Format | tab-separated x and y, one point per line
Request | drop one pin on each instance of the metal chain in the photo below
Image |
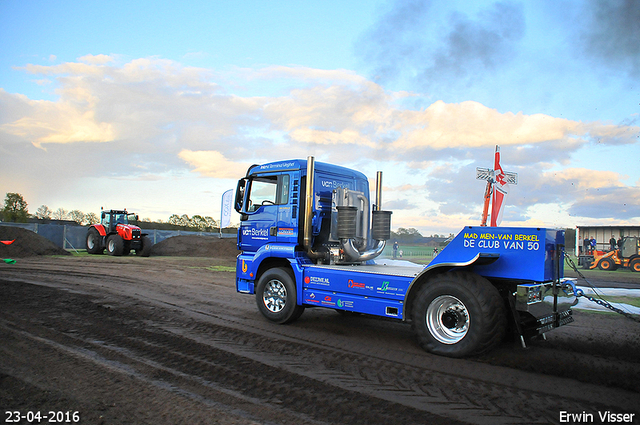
599	301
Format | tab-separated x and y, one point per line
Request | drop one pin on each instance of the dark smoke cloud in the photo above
610	35
416	40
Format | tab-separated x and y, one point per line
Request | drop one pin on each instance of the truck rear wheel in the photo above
458	314
276	296
115	245
94	244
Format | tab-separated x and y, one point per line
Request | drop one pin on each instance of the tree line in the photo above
16	210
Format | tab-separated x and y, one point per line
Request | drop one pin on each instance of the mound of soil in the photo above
197	246
26	244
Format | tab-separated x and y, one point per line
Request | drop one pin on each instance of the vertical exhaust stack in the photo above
308	211
380	232
308	204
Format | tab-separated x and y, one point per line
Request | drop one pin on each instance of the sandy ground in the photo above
167	340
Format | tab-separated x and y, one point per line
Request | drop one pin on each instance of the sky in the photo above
161	107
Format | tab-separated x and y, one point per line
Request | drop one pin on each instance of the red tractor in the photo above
118	236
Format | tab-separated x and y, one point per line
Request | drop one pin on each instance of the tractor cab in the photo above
110	219
630	247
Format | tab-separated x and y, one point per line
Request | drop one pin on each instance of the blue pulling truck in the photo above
310	237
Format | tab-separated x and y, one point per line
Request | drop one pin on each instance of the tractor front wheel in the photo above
634	265
115	245
606	264
145	248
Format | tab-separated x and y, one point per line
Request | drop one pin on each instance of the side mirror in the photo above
238	204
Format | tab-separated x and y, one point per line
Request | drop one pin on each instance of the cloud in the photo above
471	124
213	164
96	59
150	118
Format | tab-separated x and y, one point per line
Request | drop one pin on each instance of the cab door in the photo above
260	215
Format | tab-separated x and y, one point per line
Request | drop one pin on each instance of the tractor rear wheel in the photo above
115	245
458	314
634	265
94	243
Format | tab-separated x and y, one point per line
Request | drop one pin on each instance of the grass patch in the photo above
216	268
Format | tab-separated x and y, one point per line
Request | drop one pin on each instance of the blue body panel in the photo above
524	253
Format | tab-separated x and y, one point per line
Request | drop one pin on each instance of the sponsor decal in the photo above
244	267
328	301
352	284
316	280
255	233
285	231
506	241
345	304
278	166
385	288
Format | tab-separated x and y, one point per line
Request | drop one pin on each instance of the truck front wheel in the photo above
276	296
458	314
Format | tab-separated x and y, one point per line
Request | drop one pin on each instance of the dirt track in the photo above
168	340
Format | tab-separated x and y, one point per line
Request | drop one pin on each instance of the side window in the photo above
268	190
263	192
283	190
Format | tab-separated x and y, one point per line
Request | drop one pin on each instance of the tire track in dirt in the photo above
298	376
121	340
466	390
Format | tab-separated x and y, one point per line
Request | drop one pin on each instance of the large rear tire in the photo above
458	314
94	242
276	296
115	245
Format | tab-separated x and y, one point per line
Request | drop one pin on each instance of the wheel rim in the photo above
605	265
447	319
274	296
90	242
112	246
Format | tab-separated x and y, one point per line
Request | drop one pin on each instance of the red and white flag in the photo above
500	192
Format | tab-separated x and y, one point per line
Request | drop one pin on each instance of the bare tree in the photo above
91	218
43	212
77	216
60	214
